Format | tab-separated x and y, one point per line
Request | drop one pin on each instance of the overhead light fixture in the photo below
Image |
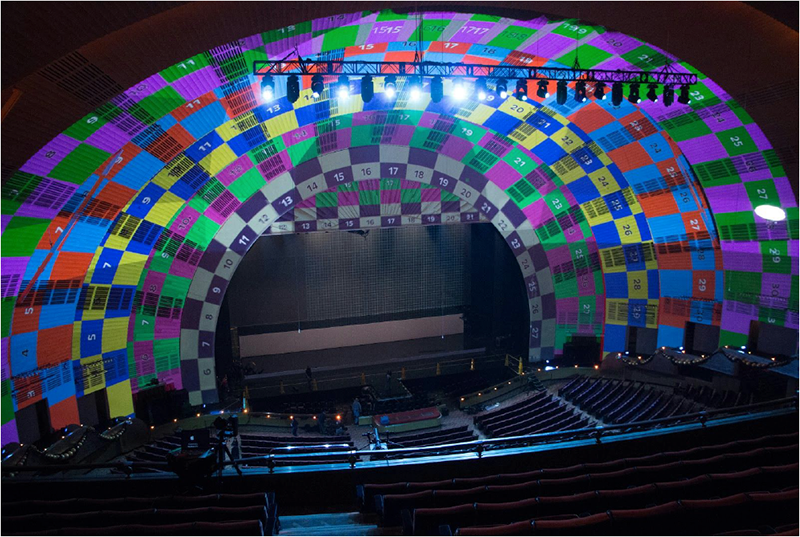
633	93
651	92
343	87
616	93
367	88
316	85
683	97
390	86
267	88
669	95
580	91
437	89
293	88
543	91
561	91
480	89
600	91
522	89
415	88
502	88
771	213
459	90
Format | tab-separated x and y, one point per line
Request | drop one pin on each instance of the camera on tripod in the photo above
227	428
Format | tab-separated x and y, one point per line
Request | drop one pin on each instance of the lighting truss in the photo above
665	75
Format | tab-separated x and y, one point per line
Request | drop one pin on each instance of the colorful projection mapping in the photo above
121	234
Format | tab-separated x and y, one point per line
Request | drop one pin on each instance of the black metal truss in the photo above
666	75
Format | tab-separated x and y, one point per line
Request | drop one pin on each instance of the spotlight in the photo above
561	91
367	88
343	87
502	88
316	85
651	92
600	91
522	90
684	98
669	95
480	89
633	93
771	213
580	91
542	92
390	86
459	90
437	89
616	93
415	85
267	88
293	88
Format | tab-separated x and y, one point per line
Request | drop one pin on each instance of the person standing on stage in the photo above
356	410
294	424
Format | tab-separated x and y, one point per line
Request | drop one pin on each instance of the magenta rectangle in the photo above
146	87
431	195
369	184
409	185
184	221
472	32
234	170
559	255
181	268
167	328
50	155
143	357
348	198
455	148
390	196
196	84
550	46
173	376
536	212
153	282
401	136
307	203
503	175
343	139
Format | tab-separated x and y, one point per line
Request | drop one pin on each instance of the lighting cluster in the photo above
480	90
679	356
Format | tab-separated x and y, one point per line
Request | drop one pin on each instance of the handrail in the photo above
476	446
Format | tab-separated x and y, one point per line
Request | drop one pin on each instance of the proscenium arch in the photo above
365	163
728	152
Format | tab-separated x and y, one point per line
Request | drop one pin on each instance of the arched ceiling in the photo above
144	192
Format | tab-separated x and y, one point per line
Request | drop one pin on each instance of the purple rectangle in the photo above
513	213
243	240
349	223
538	256
503	175
411	208
451	206
390	196
369	210
205	344
365	154
393	30
431	195
50	155
306	170
432	219
532	286
252	206
615	43
728	198
758	137
473	178
348	198
327	213
216	290
9	432
192	309
167	328
146	87
196	84
109	138
470	217
550	46
306	226
703	149
390	221
183	223
14	269
486	207
336	21
190	374
473	32
338	177
394	170
421	157
549	305
369	184
455	148
251	42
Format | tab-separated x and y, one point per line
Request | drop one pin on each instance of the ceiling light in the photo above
669	95
502	88
437	89
267	88
316	85
543	92
293	88
343	87
522	90
771	213
616	93
580	91
683	97
367	88
561	91
600	91
633	93
651	92
390	86
459	90
480	89
415	88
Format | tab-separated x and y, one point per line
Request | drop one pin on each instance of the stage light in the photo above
683	97
669	95
522	90
316	85
502	88
390	86
415	88
543	91
480	89
580	91
367	92
600	91
437	89
771	213
561	91
633	93
459	90
293	88
267	88
343	87
651	92
616	93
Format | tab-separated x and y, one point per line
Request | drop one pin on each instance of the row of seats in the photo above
615	401
252	514
389	506
542	413
442	436
680	517
367	493
416	401
426	521
708	396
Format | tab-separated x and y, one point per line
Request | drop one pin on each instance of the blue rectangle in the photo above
145	200
669	336
637	313
657	147
667	228
141	169
23	352
677	282
634	257
205	120
91	338
167	122
617	205
56	315
501	122
614	337
204	146
544	123
107	265
644	227
606	235
486	51
85	237
549	151
616	285
584	190
653	284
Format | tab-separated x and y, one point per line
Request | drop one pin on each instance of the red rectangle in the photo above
70	266
591	117
630	157
369	48
64	413
55	346
193	106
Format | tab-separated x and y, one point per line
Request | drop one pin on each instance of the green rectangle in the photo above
512	37
570	28
6	310
408	195
523	193
327	199
291	31
369	197
686	127
203	230
740	112
175	286
732	339
6	402
557	202
337	38
21	236
303	151
431	30
79	164
162	102
762	192
179	70
163	351
742	286
144	327
717	173
588	56
520	161
361	135
775	257
737	141
82	129
389	15
645	58
246	185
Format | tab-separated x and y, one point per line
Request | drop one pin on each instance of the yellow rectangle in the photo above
130	269
116	242
281	124
92	374
165	209
566	139
120	400
228	130
516	108
76	339
218	160
604	182
533	140
628	230
164	180
115	334
637	284
595	216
